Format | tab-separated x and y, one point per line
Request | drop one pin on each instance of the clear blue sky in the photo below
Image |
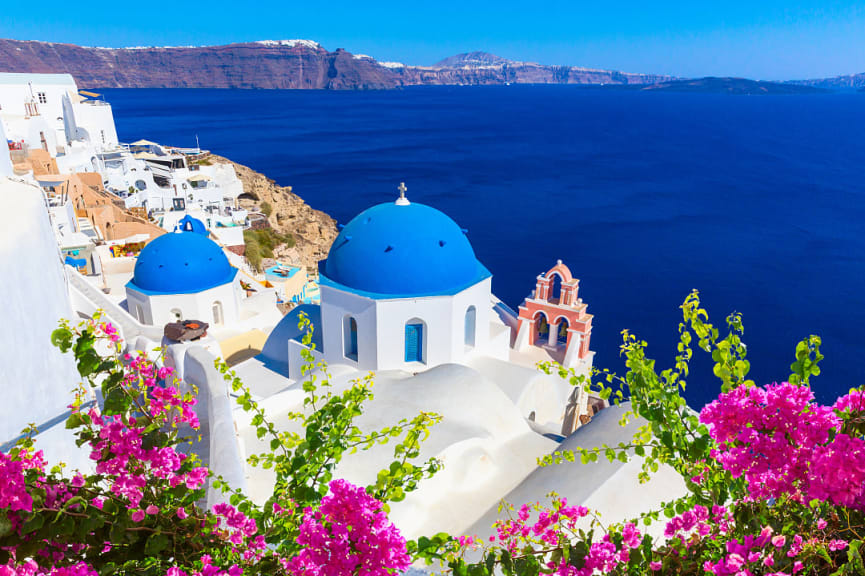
764	39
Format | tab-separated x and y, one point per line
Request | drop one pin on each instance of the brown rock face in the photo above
313	230
279	65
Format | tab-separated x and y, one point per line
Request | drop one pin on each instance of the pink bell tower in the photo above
555	318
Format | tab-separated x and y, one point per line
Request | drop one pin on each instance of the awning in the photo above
76	262
90	94
198	177
148	156
144	143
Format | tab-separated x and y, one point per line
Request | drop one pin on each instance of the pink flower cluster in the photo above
120	455
698	522
604	556
782	442
240	527
30	568
13	486
515	532
854	402
349	535
162	396
208	569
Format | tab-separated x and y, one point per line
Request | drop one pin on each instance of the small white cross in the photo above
402	200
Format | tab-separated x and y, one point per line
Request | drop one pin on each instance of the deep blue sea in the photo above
757	201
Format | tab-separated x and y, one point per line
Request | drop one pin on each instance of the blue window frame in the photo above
414	342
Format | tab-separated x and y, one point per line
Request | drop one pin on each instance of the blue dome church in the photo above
181	276
402	289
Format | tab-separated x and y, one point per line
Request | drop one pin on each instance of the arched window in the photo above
349	333
217	313
139	313
562	336
471	319
542	329
415	341
176	315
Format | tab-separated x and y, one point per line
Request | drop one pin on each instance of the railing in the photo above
129	327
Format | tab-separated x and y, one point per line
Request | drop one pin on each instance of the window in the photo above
562	337
217	313
555	294
140	314
43	99
414	341
102	132
471	319
349	331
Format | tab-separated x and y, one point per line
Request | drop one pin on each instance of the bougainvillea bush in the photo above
776	481
142	509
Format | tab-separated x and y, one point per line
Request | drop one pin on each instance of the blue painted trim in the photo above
228	279
482	274
44	427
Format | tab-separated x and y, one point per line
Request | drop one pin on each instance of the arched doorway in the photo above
542	329
415	344
471	320
349	332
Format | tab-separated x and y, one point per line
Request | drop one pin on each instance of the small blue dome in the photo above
190	224
402	251
181	263
274	354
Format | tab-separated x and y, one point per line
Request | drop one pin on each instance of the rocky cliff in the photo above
313	230
848	82
280	64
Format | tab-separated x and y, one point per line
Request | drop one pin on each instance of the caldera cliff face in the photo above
282	64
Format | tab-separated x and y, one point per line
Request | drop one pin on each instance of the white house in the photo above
31	106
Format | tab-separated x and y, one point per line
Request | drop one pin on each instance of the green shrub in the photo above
266	209
253	255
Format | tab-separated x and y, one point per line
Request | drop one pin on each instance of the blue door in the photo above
414	342
353	338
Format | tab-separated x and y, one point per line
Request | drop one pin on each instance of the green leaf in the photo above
156	543
62	338
33	524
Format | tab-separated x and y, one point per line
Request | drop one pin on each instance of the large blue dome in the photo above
395	250
181	263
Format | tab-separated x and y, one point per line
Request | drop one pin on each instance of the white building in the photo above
47	111
401	289
180	276
38	380
5	159
404	296
31	107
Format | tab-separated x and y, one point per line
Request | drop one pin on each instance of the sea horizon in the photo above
644	195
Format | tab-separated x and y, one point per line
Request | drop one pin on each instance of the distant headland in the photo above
306	64
732	86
